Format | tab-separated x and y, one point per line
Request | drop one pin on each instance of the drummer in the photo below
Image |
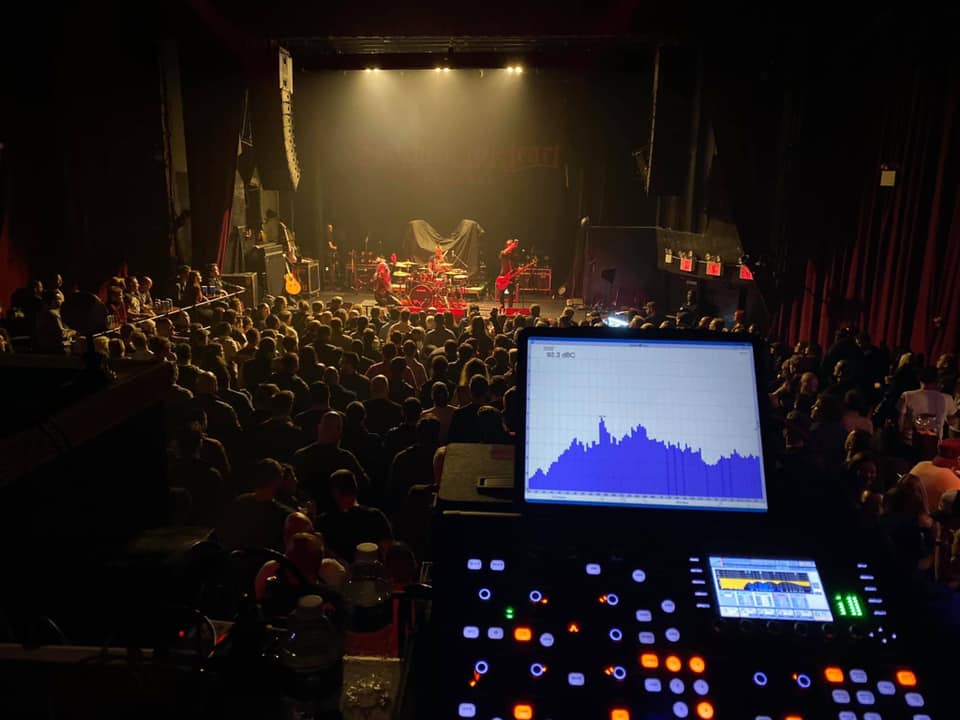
438	264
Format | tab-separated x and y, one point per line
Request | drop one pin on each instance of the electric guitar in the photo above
504	280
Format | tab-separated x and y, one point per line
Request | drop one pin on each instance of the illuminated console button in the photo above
914	699
467	710
858	676
906	678
646	638
615	634
652	685
523	712
471	632
865	697
644	616
535	596
474	564
546	639
613	599
677	686
872	716
639	576
672	634
619	714
760	679
803	680
593	569
680	709
847	715
763	717
885	687
498	565
701	687
484	594
921	717
619	672
537	669
833	675
841	697
575	679
481	667
668	606
495	633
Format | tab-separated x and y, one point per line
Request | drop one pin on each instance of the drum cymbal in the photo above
401	274
404	263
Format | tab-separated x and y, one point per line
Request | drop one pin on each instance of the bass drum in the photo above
421	296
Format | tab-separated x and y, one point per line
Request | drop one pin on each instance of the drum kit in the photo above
427	286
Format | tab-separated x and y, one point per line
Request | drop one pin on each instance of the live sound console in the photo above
685	595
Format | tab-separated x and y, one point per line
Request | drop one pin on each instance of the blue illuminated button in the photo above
639	576
668	606
847	715
652	685
763	717
537	669
644	616
467	710
676	686
914	699
872	716
615	634
535	596
474	564
672	634
760	679
575	679
865	697
646	638
498	565
680	709
613	599
481	667
885	687
701	687
858	676
841	697
495	633
921	717
484	594
471	632
593	569
803	680
546	640
619	672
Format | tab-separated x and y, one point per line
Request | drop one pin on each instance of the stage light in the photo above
438	69
446	69
510	69
369	70
518	69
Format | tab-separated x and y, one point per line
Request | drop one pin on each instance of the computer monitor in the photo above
616	418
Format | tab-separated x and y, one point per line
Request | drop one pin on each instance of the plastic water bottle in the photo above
312	661
369	608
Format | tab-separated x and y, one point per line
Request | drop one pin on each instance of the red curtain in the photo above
898	276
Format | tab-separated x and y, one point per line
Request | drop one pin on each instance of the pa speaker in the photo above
669	157
271	115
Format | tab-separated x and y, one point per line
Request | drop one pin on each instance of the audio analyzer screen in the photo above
769	589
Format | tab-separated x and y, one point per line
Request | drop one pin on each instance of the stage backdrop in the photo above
520	155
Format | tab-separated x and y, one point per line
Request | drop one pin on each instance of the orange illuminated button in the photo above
833	674
619	714
697	664
649	661
906	678
573	628
673	663
705	710
523	712
793	717
522	634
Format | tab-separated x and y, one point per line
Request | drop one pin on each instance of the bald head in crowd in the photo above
379	387
330	429
295	523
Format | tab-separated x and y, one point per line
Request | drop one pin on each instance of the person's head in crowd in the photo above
331	376
498	386
439	366
405	316
410	349
343	486
205	384
220	371
479	389
288	365
272	322
465	351
473	366
511	410
164	327
501	358
349	363
221	329
375	314
856	401
336	302
704	322
198	336
296	522
355	416
843	372
230	317
279	304
396	338
148	327
307	356
440	394
181	321
323	334
928	378
138	341
809	382
411	409
379	387
330	429
397	368
827	408
796	430
184	354
717	324
451	350
907	498
262	395
947	361
267	476
490	425
281	404
863	472
267	348
160	347
478	326
336	327
320	395
684	319
285	317
857	442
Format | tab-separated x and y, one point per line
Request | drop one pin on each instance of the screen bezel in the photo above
607	333
771	559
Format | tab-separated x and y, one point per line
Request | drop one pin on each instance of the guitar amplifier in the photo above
251	284
536	279
308	273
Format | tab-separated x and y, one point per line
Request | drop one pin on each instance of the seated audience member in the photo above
329	572
400	389
256	519
239	401
463	425
350	377
349	523
382	412
212	451
50	334
316	462
187	370
940	475
440	409
414	465
366	446
221	418
490	425
277	436
309	419
204	483
405	434
279	588
286	377
310	369
438	373
340	397
261	405
257	371
857	413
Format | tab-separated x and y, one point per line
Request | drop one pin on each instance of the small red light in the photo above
181	634
686	264
745	273
714	269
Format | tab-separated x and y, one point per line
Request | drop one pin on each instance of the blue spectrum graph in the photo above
639	465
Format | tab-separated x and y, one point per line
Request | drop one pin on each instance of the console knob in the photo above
720	626
801	629
855	632
829	630
747	626
773	627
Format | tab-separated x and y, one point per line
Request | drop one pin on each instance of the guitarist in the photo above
509	291
382	286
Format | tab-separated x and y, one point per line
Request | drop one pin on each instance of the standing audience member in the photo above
256	519
316	462
348	523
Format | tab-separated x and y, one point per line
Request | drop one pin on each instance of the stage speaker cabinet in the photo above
536	280
270	265
308	274
271	114
250	283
